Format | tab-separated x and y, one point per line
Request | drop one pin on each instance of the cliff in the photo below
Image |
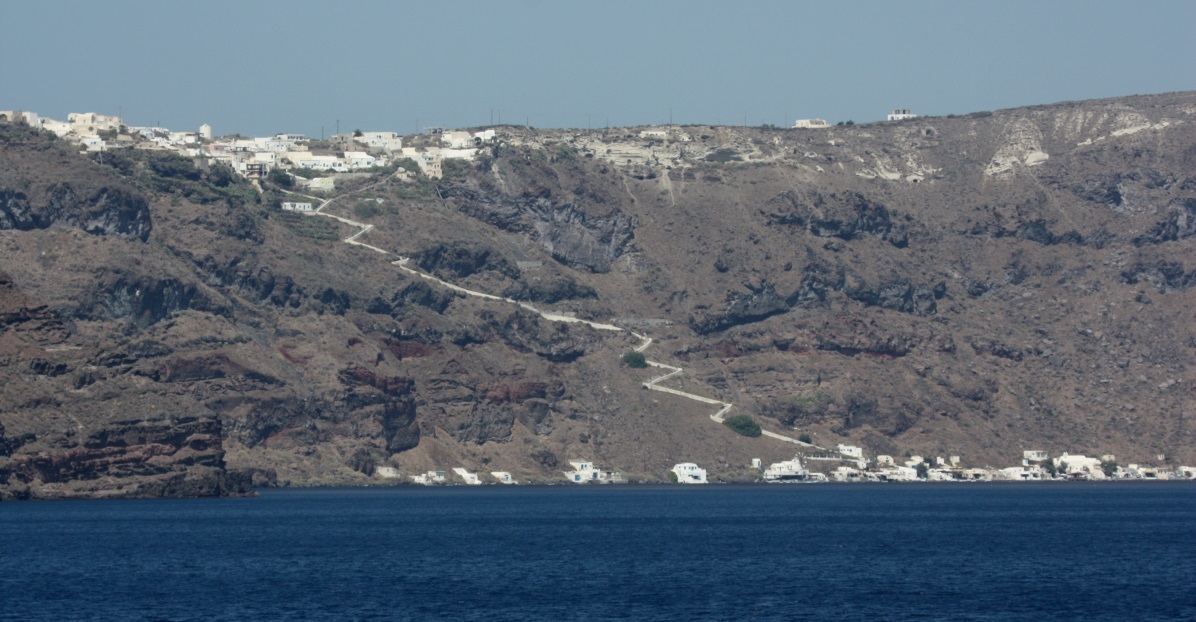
973	286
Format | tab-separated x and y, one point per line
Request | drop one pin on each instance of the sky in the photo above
313	66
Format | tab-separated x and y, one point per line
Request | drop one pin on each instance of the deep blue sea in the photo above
1122	551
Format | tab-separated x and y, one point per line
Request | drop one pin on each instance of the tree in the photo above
280	178
923	470
635	359
805	438
409	165
357	134
743	424
1109	467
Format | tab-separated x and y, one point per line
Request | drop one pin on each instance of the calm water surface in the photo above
818	552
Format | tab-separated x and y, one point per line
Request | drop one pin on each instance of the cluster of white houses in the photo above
1036	466
255	157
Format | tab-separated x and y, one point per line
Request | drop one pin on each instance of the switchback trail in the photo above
645	341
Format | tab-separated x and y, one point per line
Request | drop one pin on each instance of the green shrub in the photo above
635	359
805	438
309	226
454	168
280	178
409	164
367	209
743	424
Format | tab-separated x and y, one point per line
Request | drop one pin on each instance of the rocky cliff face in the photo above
970	286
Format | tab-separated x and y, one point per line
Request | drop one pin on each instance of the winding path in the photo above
645	341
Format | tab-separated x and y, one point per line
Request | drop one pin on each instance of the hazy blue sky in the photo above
296	66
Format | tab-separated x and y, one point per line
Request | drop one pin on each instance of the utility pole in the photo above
338	126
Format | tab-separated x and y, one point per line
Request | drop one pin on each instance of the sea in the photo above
1038	552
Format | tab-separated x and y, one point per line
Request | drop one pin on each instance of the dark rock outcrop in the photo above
156	457
1180	224
844	216
108	210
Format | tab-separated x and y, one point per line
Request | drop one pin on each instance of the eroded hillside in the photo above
971	286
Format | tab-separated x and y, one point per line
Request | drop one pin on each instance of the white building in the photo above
59	128
1033	455
689	473
851	451
660	134
92	123
323	163
92	142
184	138
359	159
848	474
205	131
884	461
503	477
291	206
583	472
484	135
810	124
388	141
386	472
788	470
900	114
429	478
471	479
897	474
1079	465
457	140
19	116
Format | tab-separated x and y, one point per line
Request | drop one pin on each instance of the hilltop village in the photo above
317	164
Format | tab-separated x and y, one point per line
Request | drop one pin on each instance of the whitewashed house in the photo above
359	159
59	128
388	141
1020	474
1079	465
323	163
1033	455
457	140
430	478
658	134
471	479
583	472
810	124
897	474
92	142
884	461
184	138
689	473
787	470
92	123
386	472
901	114
292	206
503	477
851	451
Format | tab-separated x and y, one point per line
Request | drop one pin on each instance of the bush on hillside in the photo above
635	359
743	424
